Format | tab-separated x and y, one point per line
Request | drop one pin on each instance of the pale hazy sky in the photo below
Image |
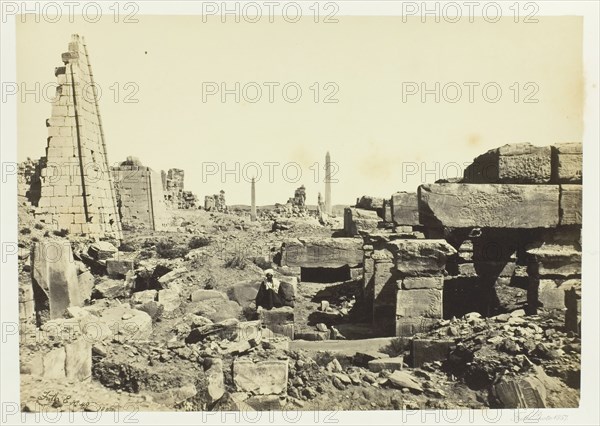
371	132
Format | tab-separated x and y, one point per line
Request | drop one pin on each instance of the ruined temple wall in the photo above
141	200
77	192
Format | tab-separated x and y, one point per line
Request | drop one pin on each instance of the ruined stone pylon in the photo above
77	191
328	207
253	200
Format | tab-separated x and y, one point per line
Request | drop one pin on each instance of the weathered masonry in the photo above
76	188
506	236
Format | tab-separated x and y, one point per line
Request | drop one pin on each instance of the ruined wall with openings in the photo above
140	198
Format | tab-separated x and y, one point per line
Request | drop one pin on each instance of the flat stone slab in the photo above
322	252
459	205
418	257
405	208
513	163
357	221
567	162
394	363
261	378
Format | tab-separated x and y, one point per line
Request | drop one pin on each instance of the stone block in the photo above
317	252
54	272
416	257
201	295
411	283
402	379
278	320
368	202
142	297
567	162
459	205
169	299
262	378
521	392
419	303
117	268
405	208
54	364
406	326
102	250
513	163
557	260
392	364
78	360
573	305
429	350
571	204
215	387
358	221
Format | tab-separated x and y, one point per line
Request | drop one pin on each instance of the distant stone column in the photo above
253	201
328	209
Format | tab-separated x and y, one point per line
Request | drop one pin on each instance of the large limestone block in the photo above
430	350
557	260
460	205
405	208
78	362
262	378
513	163
357	221
127	324
521	392
571	204
322	252
54	364
368	202
567	162
55	273
420	256
419	303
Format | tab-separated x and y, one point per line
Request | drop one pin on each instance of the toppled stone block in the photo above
142	297
571	204
420	257
54	364
362	358
521	392
317	252
405	208
78	360
278	320
419	303
111	289
368	202
118	268
261	378
411	283
428	350
245	292
359	221
102	250
551	294
215	388
557	260
224	329
513	163
393	363
402	379
127	324
201	295
54	274
489	205
406	326
567	162
169	299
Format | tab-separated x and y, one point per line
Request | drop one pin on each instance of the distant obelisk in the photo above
253	201
328	209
